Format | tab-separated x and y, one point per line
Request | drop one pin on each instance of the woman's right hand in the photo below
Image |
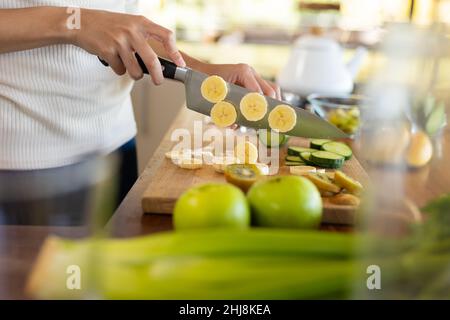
115	38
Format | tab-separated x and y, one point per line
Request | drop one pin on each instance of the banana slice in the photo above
171	154
301	170
190	163
223	114
221	162
246	152
253	106
282	118
175	155
214	89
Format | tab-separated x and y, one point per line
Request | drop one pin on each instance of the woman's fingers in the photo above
150	59
115	63
276	88
131	63
265	86
167	38
246	78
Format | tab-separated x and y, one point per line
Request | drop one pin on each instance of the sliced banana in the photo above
301	170
246	152
190	163
177	154
282	118
220	163
223	114
253	106
171	154
214	89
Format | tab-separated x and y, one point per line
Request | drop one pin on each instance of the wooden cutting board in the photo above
170	182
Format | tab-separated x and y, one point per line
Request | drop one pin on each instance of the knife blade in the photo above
308	124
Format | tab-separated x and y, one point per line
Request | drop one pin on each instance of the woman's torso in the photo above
58	103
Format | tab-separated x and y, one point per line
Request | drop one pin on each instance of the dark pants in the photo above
81	194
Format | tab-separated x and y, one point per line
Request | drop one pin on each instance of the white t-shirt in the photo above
59	104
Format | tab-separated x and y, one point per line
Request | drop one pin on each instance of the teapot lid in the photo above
316	43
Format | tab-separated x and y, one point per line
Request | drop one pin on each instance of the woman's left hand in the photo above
245	76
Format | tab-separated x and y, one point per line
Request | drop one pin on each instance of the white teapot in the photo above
316	65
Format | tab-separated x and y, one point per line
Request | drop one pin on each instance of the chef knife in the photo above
308	124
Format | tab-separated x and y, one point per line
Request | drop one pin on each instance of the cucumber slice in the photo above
306	157
318	143
293	159
294	163
339	148
327	159
295	151
265	136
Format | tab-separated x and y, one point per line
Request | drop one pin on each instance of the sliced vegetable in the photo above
214	89
242	175
293	163
306	156
223	114
294	159
327	159
295	151
282	118
190	163
346	120
257	263
338	148
344	181
272	138
323	183
302	170
318	143
253	106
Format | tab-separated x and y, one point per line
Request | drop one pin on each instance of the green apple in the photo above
285	202
212	205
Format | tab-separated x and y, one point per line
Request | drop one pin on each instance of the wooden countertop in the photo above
19	245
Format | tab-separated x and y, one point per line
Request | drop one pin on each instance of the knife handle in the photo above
169	68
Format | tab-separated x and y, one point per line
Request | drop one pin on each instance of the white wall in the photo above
155	108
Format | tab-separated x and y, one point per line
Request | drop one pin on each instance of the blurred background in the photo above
262	33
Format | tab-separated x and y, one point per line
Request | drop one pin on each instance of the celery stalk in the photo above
216	264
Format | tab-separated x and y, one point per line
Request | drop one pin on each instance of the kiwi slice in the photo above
242	175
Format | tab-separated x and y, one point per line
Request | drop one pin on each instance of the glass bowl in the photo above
344	111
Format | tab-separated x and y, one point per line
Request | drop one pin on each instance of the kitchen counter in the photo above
19	245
